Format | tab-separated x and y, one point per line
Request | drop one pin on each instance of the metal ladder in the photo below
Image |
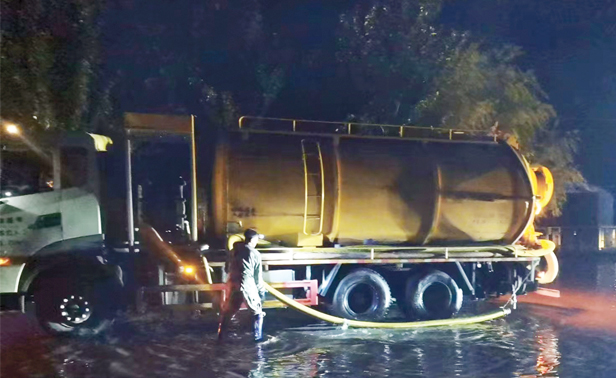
314	195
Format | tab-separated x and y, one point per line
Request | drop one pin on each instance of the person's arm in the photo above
251	296
228	262
259	275
247	271
230	257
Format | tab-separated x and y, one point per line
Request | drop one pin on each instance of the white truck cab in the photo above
51	237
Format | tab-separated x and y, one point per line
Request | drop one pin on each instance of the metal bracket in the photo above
469	286
327	281
533	267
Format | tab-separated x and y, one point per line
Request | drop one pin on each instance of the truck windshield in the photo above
24	172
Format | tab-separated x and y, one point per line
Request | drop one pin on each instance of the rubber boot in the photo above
258	324
223	325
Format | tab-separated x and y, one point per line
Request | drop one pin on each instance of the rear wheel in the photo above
434	295
76	306
362	295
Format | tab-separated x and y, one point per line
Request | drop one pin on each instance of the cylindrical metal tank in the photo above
313	190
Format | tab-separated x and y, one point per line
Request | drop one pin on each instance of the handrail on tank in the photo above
349	127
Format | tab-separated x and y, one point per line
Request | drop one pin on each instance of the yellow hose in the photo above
402	325
551	271
547	252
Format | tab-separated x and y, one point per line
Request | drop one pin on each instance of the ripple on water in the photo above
525	344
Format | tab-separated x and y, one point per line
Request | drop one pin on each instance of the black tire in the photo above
77	306
362	295
433	295
401	299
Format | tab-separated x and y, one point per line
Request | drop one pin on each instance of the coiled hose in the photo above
546	251
501	312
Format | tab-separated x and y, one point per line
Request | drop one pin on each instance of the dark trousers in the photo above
230	308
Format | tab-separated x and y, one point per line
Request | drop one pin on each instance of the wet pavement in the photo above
571	336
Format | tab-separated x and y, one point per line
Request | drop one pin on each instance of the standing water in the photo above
571	336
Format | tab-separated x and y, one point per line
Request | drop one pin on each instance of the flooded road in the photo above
571	336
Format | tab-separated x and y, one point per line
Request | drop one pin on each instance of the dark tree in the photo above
209	58
50	67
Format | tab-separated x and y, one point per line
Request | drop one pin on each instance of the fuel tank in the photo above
303	189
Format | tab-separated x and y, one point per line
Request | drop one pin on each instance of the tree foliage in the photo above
476	90
50	64
393	49
205	58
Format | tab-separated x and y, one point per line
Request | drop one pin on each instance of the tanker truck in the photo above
356	217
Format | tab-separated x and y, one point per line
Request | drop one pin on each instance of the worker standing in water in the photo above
244	284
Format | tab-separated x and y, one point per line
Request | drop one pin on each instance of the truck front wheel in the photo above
362	295
77	306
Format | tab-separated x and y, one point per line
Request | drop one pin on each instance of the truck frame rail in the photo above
219	289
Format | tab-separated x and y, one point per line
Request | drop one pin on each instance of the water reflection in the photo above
530	349
549	356
587	295
571	336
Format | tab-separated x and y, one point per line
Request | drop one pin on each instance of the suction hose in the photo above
401	325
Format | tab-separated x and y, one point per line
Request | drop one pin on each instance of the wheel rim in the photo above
362	298
75	309
437	298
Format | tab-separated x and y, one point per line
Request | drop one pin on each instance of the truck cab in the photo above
51	230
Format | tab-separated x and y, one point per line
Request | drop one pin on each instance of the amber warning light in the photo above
12	129
188	270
